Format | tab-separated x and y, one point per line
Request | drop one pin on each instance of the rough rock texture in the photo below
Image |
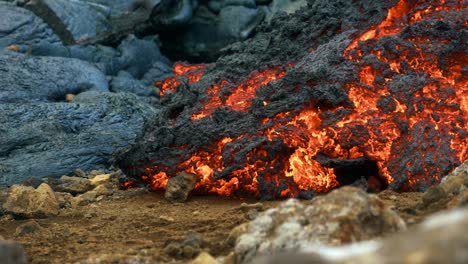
22	28
345	215
53	139
35	79
440	239
24	201
72	21
12	253
323	81
73	185
179	187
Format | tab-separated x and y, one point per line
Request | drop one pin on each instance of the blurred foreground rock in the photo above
12	253
343	216
27	202
442	238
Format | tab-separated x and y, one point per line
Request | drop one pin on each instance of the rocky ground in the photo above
87	219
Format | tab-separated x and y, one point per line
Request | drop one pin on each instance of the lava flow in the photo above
404	128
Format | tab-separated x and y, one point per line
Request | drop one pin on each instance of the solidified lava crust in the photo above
343	92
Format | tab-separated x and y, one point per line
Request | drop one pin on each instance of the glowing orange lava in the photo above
389	113
193	73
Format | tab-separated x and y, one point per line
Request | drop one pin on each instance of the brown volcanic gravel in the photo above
138	225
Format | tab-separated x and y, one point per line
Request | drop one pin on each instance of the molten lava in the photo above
411	94
192	73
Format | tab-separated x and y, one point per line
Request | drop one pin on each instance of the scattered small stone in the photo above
69	97
80	173
179	187
189	248
27	228
100	179
25	201
73	185
166	218
95	173
12	252
204	258
64	199
433	194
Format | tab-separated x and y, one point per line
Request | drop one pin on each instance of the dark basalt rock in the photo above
20	27
42	79
53	139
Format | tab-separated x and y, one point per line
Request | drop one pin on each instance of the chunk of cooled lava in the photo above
338	93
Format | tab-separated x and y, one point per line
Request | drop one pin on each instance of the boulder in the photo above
345	215
439	239
41	79
21	28
27	202
12	252
179	187
53	139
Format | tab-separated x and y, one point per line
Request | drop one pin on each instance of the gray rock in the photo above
138	55
125	83
22	28
158	71
285	6
35	79
345	215
12	252
53	139
25	201
72	21
238	22
179	187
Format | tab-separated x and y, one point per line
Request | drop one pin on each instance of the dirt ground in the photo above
136	223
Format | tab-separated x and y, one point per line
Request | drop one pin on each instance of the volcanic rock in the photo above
21	28
101	179
41	79
124	82
188	248
434	194
73	185
345	215
24	201
83	134
12	252
27	228
73	21
179	187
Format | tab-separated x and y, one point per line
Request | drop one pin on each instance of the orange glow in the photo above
379	124
193	73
